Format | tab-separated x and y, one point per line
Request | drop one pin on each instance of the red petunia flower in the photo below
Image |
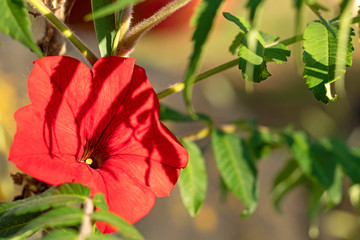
100	129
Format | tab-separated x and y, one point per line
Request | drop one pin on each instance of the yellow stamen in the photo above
89	161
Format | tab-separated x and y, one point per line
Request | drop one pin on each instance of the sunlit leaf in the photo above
193	179
320	48
204	19
104	27
244	25
14	21
236	167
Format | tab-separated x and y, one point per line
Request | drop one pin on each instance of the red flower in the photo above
108	117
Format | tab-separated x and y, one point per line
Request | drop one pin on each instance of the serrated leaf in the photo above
168	113
244	25
104	27
61	234
236	42
193	179
14	21
110	9
204	16
123	227
236	167
287	179
320	47
277	53
315	160
59	217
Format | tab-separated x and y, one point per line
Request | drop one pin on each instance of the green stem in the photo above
180	86
65	30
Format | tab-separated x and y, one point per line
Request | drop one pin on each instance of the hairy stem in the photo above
133	36
90	56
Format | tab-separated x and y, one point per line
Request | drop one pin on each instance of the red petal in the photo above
150	174
111	84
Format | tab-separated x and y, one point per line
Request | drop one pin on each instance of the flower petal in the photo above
34	136
156	176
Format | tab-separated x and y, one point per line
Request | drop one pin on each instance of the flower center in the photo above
89	161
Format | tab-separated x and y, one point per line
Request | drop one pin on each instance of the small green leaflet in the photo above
236	167
104	28
193	179
253	51
14	21
204	19
320	47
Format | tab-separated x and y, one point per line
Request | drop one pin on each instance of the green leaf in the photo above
167	113
59	217
54	197
110	9
100	202
204	16
316	193
244	25
334	192
104	27
261	142
252	63
287	179
9	225
61	234
277	53
236	167
123	227
193	179
314	159
348	158
14	21
236	42
253	5
320	47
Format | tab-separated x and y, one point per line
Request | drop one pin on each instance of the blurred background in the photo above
280	101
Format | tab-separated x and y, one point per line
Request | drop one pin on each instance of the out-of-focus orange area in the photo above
280	101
